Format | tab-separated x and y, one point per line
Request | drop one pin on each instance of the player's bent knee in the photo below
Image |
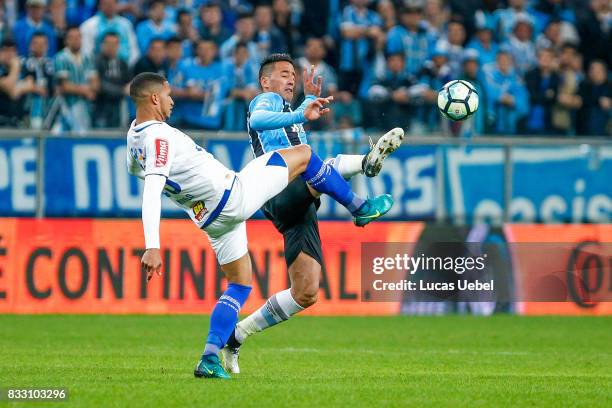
307	298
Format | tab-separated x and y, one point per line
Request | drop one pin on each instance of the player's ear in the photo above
264	82
155	98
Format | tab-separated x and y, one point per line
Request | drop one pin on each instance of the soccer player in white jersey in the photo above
217	199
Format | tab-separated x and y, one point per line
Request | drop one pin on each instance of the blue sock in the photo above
225	316
325	179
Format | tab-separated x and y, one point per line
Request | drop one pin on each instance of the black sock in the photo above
232	342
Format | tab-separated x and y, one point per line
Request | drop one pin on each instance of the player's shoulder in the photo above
267	101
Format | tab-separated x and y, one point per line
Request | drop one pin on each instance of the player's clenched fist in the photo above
151	262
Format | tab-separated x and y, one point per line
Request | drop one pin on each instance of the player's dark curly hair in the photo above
267	65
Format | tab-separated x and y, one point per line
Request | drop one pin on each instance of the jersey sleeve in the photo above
267	113
160	151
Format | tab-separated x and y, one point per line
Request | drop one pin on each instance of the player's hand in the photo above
310	88
316	108
151	262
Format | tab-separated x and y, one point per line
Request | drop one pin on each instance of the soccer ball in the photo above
457	100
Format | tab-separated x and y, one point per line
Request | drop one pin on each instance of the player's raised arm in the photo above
265	116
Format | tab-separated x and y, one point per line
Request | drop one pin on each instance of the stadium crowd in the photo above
540	66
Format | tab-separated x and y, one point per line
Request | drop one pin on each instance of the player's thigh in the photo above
229	242
261	179
302	236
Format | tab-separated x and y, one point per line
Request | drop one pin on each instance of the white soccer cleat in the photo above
229	359
387	144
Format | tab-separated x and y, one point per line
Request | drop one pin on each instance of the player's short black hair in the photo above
144	82
72	27
267	65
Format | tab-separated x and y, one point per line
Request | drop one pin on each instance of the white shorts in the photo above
259	181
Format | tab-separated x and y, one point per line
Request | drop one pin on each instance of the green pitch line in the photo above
313	361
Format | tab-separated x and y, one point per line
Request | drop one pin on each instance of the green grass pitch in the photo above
316	361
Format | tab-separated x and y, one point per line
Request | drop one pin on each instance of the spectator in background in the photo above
436	16
411	39
508	98
314	55
5	31
114	78
77	82
154	27
453	42
186	32
33	22
245	33
542	83
269	39
154	60
551	37
57	19
545	11
595	28
596	93
389	97
10	108
568	100
521	45
479	123
174	58
435	73
483	44
210	24
284	21
205	87
77	11
241	75
386	11
37	73
507	17
487	16
359	28
107	19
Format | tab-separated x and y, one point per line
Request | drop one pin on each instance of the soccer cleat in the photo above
210	367
372	209
387	144
229	359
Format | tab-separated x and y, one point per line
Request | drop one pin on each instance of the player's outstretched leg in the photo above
370	164
325	179
225	316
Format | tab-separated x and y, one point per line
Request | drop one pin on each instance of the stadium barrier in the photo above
462	181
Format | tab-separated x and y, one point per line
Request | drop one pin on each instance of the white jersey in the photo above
195	180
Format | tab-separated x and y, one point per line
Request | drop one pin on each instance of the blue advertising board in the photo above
87	177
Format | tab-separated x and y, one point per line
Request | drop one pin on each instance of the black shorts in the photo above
294	214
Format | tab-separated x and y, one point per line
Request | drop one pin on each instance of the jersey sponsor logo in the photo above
199	210
161	152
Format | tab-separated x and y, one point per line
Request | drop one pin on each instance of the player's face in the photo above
165	101
282	80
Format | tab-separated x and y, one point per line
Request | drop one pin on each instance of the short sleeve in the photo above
159	152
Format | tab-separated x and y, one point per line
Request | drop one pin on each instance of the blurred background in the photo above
538	150
540	66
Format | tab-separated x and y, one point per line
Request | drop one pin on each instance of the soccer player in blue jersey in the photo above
272	125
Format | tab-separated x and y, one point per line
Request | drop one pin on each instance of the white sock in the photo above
348	165
277	309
